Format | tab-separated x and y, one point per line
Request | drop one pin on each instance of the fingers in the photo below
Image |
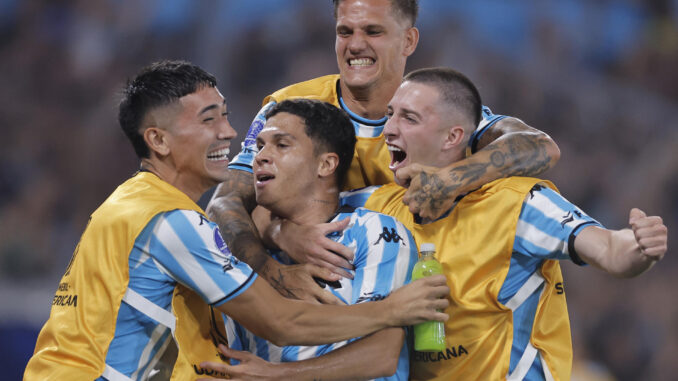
232	353
321	272
650	233
635	214
340	251
404	175
332	261
326	297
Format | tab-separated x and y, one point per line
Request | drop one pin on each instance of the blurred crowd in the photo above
601	77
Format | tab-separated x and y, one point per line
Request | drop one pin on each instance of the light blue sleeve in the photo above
244	160
189	248
488	120
548	224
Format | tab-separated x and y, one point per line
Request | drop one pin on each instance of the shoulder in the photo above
321	88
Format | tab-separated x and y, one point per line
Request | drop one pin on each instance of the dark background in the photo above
601	77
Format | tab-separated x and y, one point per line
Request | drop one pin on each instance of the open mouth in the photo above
263	178
218	155
397	156
361	62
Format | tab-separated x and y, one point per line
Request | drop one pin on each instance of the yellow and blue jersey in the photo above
371	158
499	247
385	254
143	241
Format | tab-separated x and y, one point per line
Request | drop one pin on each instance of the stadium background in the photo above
601	77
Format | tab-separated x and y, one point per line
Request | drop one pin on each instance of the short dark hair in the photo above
329	127
455	90
404	9
157	84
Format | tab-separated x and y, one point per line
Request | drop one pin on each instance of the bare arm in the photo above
626	252
230	208
298	323
371	357
509	148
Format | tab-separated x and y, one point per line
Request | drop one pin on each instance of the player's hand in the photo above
650	232
251	367
420	301
430	190
296	282
309	244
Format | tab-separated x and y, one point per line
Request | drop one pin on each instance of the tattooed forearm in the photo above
230	209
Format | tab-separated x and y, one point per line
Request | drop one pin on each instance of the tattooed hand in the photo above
428	194
511	148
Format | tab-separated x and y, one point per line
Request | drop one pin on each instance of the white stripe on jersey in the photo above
540	238
176	248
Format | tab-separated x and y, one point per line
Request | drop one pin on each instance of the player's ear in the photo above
455	136
156	140
411	41
329	161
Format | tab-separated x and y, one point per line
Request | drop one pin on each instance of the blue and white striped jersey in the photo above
385	254
546	229
177	246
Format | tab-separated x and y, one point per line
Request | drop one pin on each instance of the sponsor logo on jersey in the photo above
389	236
65	300
449	353
207	372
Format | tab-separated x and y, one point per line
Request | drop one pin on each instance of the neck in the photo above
316	209
194	189
368	102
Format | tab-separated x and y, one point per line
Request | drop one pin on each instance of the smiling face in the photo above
418	128
198	136
286	166
372	43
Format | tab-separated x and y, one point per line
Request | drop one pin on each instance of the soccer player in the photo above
111	316
500	245
374	38
303	153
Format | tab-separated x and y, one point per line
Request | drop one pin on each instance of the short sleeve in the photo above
548	224
189	248
488	120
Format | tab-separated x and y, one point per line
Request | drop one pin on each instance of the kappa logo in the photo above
389	236
535	188
567	219
202	219
370	297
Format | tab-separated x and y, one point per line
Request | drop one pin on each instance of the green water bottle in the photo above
428	336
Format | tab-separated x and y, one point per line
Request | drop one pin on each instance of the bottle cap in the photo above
427	247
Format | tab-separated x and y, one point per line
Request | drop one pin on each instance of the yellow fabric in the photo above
199	330
371	157
73	343
474	244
